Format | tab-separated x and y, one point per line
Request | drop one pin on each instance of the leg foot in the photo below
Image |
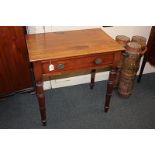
44	123
91	86
106	109
37	67
41	101
112	77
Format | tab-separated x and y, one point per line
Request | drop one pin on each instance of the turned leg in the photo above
112	77
118	72
39	91
41	101
93	72
142	68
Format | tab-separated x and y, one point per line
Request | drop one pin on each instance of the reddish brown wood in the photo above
151	47
111	80
39	91
150	53
56	45
110	84
73	64
15	72
71	52
93	72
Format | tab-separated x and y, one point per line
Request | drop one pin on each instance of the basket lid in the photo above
139	39
122	39
134	47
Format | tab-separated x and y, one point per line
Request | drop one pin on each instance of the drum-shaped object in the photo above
141	40
130	66
125	86
131	62
122	40
134	47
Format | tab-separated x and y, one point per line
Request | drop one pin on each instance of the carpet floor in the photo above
78	107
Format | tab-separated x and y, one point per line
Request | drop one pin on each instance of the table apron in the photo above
66	65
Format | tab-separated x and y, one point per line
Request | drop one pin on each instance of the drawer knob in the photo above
98	61
60	66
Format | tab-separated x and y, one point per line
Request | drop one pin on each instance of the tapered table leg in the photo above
110	84
93	72
41	101
39	91
142	68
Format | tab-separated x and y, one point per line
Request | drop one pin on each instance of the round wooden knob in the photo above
60	66
98	61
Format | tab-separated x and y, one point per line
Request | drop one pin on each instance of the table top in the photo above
55	45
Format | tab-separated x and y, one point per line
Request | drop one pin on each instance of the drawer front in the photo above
67	65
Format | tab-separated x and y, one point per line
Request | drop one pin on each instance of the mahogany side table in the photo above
58	53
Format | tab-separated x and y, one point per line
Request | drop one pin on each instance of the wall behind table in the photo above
112	31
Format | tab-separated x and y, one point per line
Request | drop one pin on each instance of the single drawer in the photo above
66	65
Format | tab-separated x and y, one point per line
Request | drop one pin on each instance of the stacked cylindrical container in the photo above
123	40
129	64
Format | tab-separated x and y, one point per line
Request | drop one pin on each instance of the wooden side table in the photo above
59	53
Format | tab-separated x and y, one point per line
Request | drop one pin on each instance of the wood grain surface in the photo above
15	74
77	63
55	45
71	51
